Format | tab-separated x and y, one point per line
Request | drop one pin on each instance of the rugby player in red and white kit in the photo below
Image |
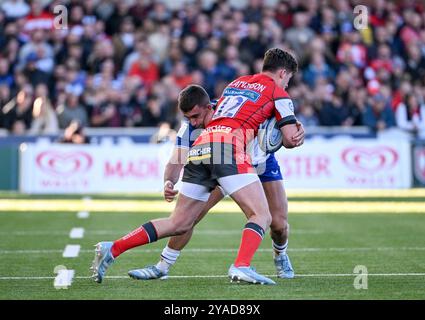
219	157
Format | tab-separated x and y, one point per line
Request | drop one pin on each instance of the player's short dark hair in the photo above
276	58
191	96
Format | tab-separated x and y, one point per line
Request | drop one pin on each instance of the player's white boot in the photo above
247	274
148	273
102	260
283	266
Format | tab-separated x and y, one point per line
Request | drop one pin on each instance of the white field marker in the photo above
64	279
71	251
76	233
83	215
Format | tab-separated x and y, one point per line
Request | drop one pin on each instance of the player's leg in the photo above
247	192
279	228
278	205
190	203
175	244
180	221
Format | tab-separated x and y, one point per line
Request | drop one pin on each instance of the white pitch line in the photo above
71	251
317	275
29	251
26	278
224	250
83	215
76	233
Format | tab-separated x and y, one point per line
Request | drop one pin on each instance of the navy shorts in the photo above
270	170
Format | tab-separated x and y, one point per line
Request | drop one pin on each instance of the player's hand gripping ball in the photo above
270	137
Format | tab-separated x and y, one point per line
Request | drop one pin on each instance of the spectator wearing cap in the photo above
378	115
72	109
410	115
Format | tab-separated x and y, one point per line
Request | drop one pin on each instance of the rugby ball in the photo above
270	137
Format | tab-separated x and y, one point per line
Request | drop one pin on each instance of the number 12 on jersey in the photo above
229	106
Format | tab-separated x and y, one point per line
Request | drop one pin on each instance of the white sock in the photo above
168	258
280	249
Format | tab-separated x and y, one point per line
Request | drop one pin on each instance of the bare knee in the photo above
262	218
280	227
182	226
279	224
266	219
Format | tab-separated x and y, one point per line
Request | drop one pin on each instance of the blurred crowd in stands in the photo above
121	63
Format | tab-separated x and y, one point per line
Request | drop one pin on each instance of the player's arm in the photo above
288	132
177	161
292	130
172	172
299	136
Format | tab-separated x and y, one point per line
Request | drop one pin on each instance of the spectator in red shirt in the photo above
383	59
145	69
38	18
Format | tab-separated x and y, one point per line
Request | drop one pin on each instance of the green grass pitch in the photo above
331	234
